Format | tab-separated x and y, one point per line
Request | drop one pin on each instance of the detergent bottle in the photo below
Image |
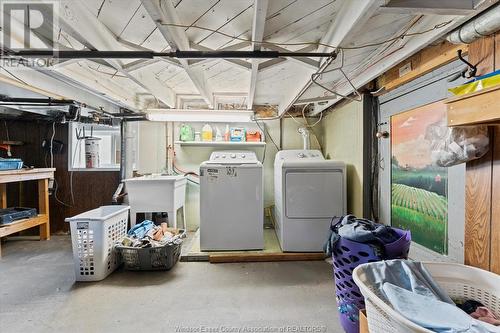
226	133
207	133
218	134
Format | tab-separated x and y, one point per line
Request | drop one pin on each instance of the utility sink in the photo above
156	193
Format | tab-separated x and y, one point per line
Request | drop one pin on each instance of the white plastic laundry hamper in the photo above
93	236
459	281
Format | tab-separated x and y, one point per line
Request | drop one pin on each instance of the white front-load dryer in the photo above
231	202
309	191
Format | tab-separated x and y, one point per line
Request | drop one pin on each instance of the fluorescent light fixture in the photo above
205	116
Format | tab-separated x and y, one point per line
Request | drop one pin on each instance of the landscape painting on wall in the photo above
419	189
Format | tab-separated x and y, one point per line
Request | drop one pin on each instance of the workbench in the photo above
42	176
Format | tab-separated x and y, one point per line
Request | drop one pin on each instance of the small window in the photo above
97	147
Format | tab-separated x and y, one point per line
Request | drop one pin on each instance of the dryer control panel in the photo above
296	154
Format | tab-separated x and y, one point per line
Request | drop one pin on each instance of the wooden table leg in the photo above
3	204
3	195
43	207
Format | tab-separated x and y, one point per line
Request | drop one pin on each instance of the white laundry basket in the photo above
459	281
93	235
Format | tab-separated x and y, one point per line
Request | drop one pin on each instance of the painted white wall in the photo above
152	143
343	141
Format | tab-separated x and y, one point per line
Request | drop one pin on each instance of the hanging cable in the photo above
335	47
52	144
6	130
266	133
318	74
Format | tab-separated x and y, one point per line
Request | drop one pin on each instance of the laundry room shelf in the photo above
220	144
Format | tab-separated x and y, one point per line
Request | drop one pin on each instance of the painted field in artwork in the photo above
421	211
419	189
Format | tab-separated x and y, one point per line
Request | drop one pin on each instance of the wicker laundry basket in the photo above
459	281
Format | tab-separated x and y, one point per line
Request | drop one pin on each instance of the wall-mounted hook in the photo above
472	71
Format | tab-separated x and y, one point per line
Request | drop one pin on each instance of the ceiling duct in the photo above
480	26
431	7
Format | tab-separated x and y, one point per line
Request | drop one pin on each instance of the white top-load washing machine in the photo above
231	202
308	192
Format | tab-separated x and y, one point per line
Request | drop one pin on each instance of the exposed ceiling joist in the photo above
76	17
313	64
50	83
258	26
164	11
412	46
236	47
353	14
238	62
273	62
138	64
135	47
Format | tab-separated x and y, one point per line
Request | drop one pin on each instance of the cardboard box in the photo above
363	322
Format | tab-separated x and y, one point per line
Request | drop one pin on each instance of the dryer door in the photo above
314	194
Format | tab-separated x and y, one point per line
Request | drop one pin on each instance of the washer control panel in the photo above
233	157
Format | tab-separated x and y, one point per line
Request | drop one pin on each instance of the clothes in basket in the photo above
147	234
353	242
361	231
412	291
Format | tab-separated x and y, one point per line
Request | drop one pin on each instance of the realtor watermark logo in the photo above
28	25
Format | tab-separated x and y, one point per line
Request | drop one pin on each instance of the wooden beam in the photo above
258	26
276	61
163	11
480	107
3	196
420	64
21	225
264	257
352	15
495	201
77	20
478	212
135	47
43	207
308	62
370	71
238	62
138	64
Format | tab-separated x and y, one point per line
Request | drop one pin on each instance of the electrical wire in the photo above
267	134
6	130
52	144
14	76
306	123
56	184
265	139
335	47
179	169
78	148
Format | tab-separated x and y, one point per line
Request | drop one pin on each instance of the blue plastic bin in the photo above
10	164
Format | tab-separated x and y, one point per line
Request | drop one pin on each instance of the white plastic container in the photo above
154	194
459	281
93	235
92	153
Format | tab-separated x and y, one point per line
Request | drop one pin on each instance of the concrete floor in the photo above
38	294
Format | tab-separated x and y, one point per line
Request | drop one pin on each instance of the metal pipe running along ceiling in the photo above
37	53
